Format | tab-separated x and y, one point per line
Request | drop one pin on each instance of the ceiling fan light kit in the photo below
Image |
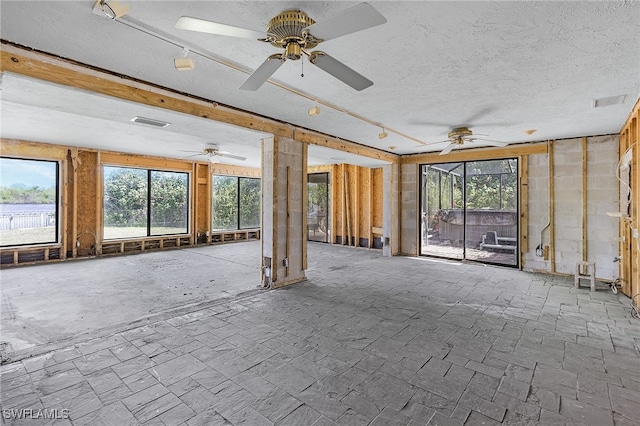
112	9
295	32
458	136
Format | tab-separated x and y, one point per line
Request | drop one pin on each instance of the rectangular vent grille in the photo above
608	101
150	121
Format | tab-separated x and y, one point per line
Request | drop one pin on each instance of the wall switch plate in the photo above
635	233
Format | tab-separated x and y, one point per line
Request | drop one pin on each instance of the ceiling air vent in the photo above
150	121
608	101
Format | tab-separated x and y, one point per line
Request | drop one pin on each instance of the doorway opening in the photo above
469	211
318	189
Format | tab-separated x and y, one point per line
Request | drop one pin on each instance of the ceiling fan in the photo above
296	33
460	135
213	152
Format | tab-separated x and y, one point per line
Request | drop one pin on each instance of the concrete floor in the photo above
365	341
47	303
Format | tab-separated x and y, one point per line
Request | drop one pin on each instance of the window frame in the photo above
149	172
58	203
238	204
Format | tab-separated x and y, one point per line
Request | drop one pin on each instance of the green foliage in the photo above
21	194
225	202
226	190
490	184
318	193
250	202
169	199
126	197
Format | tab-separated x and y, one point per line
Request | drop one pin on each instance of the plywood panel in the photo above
87	184
364	206
377	197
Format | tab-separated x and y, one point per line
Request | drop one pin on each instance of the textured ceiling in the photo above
498	67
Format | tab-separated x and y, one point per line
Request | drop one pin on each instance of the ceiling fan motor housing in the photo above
287	30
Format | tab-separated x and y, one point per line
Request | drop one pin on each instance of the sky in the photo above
27	172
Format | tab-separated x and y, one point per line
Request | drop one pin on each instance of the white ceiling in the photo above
498	67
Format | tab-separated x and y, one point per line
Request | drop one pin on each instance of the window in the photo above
141	203
235	203
28	201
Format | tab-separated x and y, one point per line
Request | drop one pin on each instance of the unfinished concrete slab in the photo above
46	303
366	340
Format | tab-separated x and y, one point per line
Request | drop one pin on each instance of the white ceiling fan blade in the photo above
204	26
339	70
493	143
263	72
235	157
449	148
357	18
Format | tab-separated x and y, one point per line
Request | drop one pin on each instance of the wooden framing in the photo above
81	205
477	154
552	210
629	245
66	72
523	161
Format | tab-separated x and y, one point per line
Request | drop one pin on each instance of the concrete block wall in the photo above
288	204
409	209
602	196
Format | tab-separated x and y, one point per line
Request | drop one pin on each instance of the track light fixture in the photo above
383	134
314	111
111	9
184	63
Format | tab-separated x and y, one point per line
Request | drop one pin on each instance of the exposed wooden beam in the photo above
477	154
66	72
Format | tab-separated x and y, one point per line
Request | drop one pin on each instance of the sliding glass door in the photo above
318	228
469	211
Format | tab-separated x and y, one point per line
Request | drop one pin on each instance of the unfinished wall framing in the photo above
628	227
81	204
356	205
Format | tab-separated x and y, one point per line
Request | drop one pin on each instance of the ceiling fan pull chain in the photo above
302	65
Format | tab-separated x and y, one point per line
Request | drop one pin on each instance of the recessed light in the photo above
392	147
608	101
150	121
530	131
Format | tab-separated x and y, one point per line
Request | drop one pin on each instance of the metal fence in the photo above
27	220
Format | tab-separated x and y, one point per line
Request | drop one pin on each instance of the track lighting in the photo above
383	134
112	9
184	63
314	111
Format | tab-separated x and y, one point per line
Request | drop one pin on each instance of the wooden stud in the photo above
356	206
371	208
346	204
343	212
585	253
274	196
99	204
305	201
552	227
74	221
287	243
524	207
